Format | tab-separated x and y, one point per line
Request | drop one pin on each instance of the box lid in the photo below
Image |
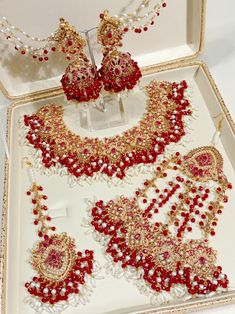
178	33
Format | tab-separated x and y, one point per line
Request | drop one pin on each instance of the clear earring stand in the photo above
106	112
92	118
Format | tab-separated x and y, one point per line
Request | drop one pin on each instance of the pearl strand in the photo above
132	20
17	29
37	52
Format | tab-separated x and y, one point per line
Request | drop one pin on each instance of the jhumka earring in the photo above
63	274
119	71
80	81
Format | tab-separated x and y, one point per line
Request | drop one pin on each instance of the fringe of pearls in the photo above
82	298
136	276
36	156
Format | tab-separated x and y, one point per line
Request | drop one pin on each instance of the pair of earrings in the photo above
82	82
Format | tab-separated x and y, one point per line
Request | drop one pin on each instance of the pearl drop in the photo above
53	291
45	290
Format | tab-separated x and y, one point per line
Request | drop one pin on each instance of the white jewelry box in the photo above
178	40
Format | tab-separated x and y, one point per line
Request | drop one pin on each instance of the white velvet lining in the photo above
123	297
176	35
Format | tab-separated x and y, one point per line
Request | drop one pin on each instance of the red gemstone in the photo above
202	260
109	35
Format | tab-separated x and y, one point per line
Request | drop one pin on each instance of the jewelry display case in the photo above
169	51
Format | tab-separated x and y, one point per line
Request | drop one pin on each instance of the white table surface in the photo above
219	55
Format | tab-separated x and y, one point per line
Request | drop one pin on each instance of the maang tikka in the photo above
65	277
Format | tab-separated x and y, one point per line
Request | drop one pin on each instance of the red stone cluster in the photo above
119	72
80	82
61	270
194	203
164	259
53	291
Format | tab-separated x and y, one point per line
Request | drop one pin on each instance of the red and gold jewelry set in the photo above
158	238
